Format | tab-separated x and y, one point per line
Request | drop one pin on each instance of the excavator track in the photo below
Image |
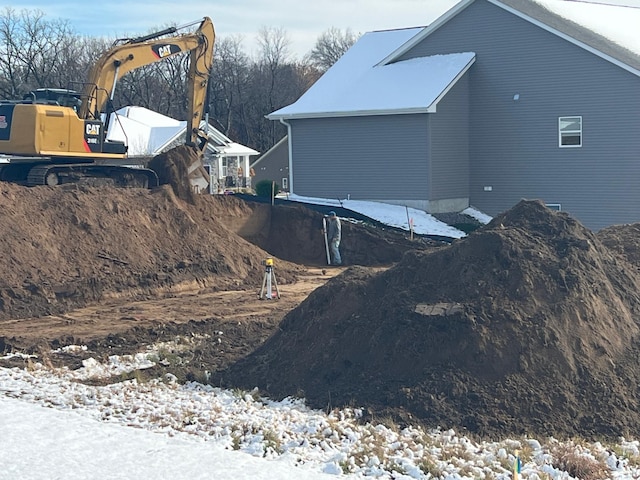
113	175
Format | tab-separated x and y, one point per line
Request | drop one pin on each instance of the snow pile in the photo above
397	216
336	443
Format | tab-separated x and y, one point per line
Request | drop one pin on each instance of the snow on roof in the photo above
236	149
143	131
617	23
148	117
410	86
358	83
146	132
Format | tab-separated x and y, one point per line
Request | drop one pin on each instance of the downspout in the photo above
290	154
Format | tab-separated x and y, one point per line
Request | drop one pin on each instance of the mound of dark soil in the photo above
624	240
527	326
172	168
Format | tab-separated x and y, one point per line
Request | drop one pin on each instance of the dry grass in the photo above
568	457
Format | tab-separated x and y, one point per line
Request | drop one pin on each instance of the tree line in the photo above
39	52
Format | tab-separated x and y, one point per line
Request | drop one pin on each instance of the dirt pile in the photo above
528	325
624	240
173	168
66	247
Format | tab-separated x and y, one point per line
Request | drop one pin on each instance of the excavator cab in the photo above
54	96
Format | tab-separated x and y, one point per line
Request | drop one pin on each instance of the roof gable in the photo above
608	31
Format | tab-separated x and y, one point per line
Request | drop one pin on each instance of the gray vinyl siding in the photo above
450	144
273	166
362	158
514	144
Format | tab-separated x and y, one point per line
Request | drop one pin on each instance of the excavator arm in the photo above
142	51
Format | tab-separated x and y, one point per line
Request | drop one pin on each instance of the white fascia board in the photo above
350	113
566	37
436	24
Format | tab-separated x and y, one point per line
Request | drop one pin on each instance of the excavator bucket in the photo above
182	168
198	176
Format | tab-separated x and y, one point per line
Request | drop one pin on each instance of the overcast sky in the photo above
303	21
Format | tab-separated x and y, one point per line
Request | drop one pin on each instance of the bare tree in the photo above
12	75
330	46
228	87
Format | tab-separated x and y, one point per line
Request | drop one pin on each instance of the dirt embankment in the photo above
529	325
77	253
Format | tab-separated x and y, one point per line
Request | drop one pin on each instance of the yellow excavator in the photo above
55	136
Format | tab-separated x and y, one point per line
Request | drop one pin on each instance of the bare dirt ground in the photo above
117	270
530	325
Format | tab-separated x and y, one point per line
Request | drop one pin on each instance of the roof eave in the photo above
352	113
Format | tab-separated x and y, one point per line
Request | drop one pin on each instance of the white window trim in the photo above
570	131
554	206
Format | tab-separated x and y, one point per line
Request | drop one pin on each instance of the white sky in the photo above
303	22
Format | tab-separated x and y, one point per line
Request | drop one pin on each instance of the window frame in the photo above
566	133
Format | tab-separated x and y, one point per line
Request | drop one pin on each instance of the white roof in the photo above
146	133
358	84
237	149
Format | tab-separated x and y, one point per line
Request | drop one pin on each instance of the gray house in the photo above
273	165
493	102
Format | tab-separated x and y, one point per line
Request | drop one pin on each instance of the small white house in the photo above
147	134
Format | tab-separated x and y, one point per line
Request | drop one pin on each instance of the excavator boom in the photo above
142	51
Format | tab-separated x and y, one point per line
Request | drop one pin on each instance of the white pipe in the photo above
290	154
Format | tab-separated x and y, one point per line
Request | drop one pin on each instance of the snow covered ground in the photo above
397	216
52	425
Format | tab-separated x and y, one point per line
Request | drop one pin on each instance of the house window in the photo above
554	206
285	183
570	131
228	164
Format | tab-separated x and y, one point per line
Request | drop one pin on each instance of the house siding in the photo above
449	177
363	158
514	151
273	166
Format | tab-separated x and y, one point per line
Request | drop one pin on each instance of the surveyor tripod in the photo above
269	281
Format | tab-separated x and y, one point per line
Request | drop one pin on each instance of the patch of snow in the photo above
397	216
